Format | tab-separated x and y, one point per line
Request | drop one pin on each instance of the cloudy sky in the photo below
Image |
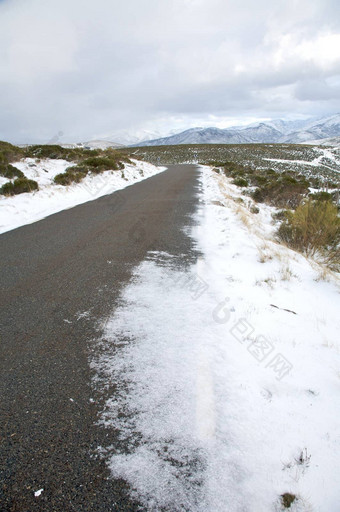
80	69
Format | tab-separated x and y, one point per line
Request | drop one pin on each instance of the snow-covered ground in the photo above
227	373
326	156
26	208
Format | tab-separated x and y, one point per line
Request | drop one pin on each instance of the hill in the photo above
276	131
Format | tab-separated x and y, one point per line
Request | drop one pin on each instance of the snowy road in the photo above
222	370
59	277
162	352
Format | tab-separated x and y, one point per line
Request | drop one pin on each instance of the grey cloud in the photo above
316	90
97	67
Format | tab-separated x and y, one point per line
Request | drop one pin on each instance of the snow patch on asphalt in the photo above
225	400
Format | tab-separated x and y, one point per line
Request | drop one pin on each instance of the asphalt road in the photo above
58	277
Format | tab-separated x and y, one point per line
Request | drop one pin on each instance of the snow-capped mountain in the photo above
264	132
198	136
320	129
133	137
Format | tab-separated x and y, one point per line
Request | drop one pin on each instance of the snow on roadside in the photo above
42	171
26	208
227	373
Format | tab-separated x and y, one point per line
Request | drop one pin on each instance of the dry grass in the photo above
312	228
286	273
271	249
265	252
243	215
323	273
269	281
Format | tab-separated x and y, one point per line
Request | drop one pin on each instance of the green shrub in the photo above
280	215
9	171
100	164
254	209
54	151
73	174
46	151
258	195
94	165
321	196
9	153
313	227
234	169
240	182
283	192
260	180
19	186
287	179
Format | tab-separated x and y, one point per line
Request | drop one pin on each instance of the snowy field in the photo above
26	208
228	372
311	161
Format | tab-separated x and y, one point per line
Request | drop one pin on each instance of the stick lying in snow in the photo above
283	309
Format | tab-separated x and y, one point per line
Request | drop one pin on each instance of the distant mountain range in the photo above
276	131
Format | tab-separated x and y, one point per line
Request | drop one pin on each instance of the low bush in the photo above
100	164
73	174
260	180
93	165
254	209
258	195
18	186
313	227
9	153
58	152
10	172
46	151
282	192
241	182
280	215
234	169
321	196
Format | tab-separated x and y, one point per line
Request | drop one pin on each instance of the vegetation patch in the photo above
19	186
73	174
9	153
282	191
286	189
58	152
73	154
272	157
93	165
10	172
103	163
241	182
314	227
322	196
287	499
87	161
309	222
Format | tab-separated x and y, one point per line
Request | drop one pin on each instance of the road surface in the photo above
58	277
